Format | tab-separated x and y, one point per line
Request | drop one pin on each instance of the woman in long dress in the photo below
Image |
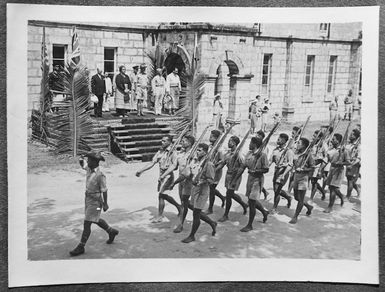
217	112
123	90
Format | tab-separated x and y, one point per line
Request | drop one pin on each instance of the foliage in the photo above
73	121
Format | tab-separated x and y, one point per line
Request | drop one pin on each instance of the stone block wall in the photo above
129	52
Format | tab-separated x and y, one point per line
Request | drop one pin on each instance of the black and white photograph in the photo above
193	139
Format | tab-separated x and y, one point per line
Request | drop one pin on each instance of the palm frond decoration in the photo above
73	121
191	95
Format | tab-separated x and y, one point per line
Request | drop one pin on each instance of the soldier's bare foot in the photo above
293	221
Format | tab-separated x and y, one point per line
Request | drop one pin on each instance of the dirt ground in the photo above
56	204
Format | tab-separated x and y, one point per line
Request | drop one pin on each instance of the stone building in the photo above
299	67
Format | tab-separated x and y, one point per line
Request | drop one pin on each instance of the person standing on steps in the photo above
158	85
123	91
164	158
98	88
218	158
108	93
132	105
95	201
173	89
301	177
201	173
257	166
233	164
141	90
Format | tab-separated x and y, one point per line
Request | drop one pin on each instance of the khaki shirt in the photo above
161	158
95	181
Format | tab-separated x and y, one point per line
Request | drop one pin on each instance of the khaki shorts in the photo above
93	207
254	187
199	196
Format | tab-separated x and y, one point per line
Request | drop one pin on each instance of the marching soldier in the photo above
95	201
283	158
164	158
353	168
303	165
201	172
214	136
338	158
233	163
185	186
318	153
257	164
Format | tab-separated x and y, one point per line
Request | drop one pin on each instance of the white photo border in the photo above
23	272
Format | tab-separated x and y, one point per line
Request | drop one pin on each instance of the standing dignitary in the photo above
338	158
123	90
95	201
303	165
214	136
134	83
173	88
164	158
158	85
257	164
233	162
108	94
141	90
283	158
201	173
98	87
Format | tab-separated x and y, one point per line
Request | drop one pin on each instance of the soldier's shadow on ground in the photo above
52	236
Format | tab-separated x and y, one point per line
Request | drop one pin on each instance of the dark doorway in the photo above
172	61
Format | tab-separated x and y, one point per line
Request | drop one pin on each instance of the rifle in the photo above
218	143
308	150
334	131
197	142
235	156
264	144
302	130
214	150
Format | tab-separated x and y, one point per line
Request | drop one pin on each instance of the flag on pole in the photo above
44	54
75	57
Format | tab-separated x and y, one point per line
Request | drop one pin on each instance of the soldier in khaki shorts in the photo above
95	200
202	175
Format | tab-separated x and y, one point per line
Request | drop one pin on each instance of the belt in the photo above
174	85
254	174
159	85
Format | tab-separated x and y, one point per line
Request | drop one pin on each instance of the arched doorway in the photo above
172	61
226	85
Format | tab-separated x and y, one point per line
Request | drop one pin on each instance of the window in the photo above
324	29
109	61
332	74
59	53
309	73
266	73
360	82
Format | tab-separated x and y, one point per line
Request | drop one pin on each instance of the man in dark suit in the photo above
98	87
